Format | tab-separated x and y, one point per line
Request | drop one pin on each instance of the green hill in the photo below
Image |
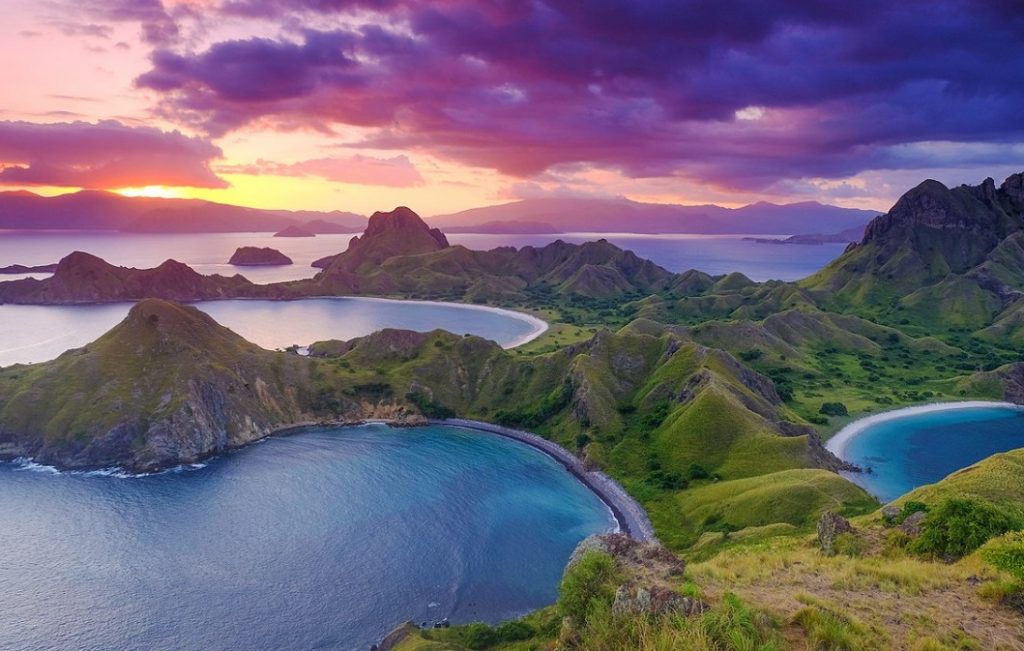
939	252
168	385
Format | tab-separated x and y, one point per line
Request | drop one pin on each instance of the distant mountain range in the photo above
95	210
625	216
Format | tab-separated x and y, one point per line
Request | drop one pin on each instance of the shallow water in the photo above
325	539
911	451
208	253
36	333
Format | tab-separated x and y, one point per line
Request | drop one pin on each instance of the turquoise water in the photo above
914	450
325	539
36	333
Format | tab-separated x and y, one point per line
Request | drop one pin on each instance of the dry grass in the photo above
882	600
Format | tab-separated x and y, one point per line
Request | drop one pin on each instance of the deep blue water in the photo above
920	449
320	540
36	333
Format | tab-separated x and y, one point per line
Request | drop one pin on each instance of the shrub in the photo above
428	407
697	471
1007	555
848	544
514	631
957	527
833	630
834	409
478	636
751	355
592	579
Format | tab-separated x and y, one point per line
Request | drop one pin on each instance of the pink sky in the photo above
445	106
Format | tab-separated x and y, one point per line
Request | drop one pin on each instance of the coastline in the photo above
540	326
838	443
630	515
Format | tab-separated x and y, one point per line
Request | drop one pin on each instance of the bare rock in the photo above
830	527
654	600
912	525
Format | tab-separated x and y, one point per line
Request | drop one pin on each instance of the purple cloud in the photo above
741	94
106	154
396	172
157	24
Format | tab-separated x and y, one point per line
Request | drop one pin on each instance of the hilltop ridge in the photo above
959	252
84	278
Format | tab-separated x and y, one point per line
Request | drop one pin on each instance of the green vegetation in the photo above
588	585
1007	554
957	527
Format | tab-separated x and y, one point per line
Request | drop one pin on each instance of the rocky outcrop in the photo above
913	524
400	232
256	256
650	573
830	527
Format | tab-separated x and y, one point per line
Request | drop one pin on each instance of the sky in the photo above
445	105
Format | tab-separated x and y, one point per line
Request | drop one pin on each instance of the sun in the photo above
156	191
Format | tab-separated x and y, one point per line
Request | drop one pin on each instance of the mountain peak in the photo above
389	234
401	219
173	321
1013	187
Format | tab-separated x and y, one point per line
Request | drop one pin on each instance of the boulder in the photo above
655	600
830	527
890	513
912	525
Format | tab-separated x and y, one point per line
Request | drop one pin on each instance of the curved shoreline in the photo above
838	443
630	515
540	326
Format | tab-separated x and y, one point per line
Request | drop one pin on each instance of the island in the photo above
257	256
295	231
